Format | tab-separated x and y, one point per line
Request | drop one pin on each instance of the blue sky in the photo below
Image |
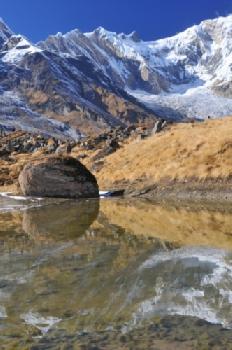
150	18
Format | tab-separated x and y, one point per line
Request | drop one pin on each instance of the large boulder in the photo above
62	177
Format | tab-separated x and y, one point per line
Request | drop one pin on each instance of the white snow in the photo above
16	54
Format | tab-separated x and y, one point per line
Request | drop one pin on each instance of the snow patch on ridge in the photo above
16	54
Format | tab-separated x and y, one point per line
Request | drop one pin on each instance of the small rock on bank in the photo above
58	177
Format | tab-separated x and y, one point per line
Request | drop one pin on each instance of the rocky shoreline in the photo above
207	192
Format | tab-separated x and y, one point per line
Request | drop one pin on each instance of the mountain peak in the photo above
101	30
134	36
5	32
101	33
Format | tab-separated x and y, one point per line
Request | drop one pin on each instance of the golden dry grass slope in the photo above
181	153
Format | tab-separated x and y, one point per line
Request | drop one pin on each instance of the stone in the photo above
159	126
63	149
113	144
58	177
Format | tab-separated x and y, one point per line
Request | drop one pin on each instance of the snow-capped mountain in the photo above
87	82
43	90
174	76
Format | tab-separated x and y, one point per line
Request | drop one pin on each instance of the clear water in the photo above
69	268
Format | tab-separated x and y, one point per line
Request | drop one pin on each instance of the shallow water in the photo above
71	271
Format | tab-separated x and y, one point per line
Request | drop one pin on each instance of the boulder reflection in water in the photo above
65	221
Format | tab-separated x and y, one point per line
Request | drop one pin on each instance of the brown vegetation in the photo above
181	153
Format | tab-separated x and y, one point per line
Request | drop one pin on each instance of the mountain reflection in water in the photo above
90	266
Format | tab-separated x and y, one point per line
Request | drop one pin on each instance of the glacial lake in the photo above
114	274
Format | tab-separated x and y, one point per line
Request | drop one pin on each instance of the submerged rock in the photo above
58	177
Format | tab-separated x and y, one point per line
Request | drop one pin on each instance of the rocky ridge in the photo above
58	94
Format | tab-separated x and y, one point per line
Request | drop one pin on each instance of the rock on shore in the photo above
58	177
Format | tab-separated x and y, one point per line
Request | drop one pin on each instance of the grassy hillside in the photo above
181	153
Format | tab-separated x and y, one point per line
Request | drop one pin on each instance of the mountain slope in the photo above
68	92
